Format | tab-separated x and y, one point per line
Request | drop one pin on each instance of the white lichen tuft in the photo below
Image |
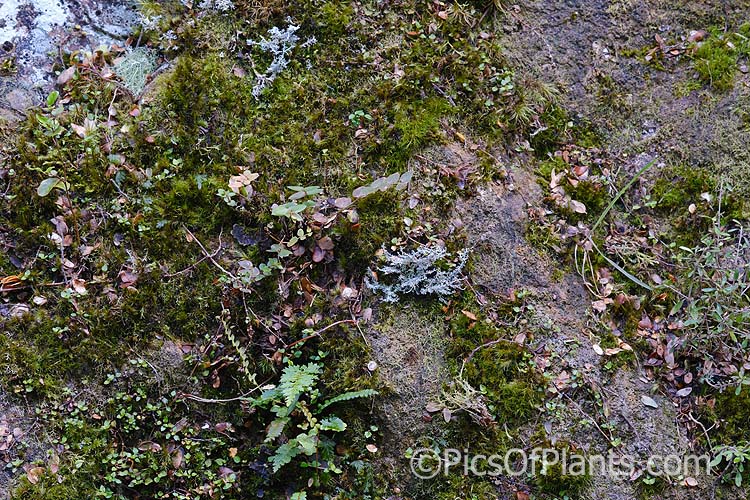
424	271
134	67
280	44
218	5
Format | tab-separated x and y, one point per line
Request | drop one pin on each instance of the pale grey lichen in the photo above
134	67
428	270
280	44
218	5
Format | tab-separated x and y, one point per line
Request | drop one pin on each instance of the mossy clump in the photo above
732	411
502	369
504	373
593	195
562	478
379	219
650	487
716	59
556	483
680	185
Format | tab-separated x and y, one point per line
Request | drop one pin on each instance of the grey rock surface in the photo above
33	33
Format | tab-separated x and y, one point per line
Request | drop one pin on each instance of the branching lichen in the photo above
280	44
419	272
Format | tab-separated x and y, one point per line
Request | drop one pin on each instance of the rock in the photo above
31	30
13	310
8	115
19	100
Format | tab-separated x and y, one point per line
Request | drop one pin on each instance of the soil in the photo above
579	45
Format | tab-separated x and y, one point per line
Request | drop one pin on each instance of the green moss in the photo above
732	411
335	17
543	238
416	124
554	482
651	487
380	218
551	479
716	63
502	370
681	185
593	195
684	89
42	351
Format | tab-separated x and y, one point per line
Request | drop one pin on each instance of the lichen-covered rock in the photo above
31	31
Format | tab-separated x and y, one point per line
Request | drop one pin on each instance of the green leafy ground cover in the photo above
232	231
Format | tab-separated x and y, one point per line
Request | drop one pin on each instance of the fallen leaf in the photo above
367	315
697	35
225	471
433	407
342	203
325	243
127	278
318	254
177	458
684	392
649	402
79	286
577	207
66	75
447	415
469	315
601	305
80	130
34	474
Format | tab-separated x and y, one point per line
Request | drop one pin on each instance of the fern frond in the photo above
347	396
297	380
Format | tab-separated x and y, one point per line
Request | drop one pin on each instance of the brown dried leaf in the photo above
318	254
326	243
469	315
433	407
34	474
66	75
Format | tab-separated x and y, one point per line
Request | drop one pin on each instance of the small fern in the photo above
241	352
297	380
297	391
348	396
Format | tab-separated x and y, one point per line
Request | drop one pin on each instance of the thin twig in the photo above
207	254
319	332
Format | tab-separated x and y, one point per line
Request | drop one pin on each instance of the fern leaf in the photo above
334	424
297	380
347	396
284	454
276	428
